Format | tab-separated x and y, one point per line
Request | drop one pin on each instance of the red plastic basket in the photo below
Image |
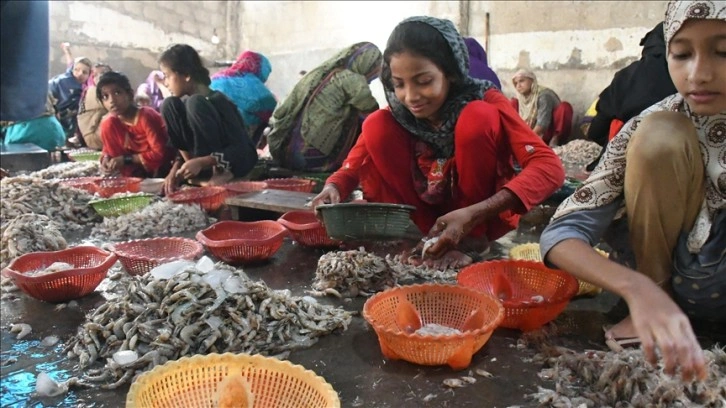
106	187
139	256
306	229
531	293
475	314
242	187
210	198
238	242
291	184
90	267
83	183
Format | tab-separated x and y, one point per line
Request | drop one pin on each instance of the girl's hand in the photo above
450	228
66	47
329	195
111	165
171	182
190	168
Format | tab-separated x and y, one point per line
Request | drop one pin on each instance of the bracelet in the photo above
128	159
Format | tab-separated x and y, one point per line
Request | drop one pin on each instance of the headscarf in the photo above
528	104
249	62
470	89
362	58
478	66
606	182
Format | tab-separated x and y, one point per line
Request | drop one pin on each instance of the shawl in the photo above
605	183
441	140
244	84
151	90
362	58
528	104
478	65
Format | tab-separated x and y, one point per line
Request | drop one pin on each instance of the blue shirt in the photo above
66	90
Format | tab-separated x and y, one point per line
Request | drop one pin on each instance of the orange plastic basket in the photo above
532	294
306	229
242	187
238	242
90	267
192	382
139	256
83	183
210	198
106	187
474	313
531	252
291	184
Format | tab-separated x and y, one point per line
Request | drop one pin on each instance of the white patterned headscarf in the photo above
605	184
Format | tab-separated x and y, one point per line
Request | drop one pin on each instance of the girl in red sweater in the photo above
445	145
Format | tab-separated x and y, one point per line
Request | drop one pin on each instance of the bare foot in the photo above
622	330
451	260
220	178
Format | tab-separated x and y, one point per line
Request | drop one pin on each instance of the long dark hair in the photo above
420	39
113	78
184	60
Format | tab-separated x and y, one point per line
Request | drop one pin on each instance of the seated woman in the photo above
666	169
66	89
244	84
478	65
91	110
152	92
319	121
541	109
205	125
135	142
445	145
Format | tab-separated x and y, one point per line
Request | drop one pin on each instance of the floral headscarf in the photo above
442	139
249	62
606	182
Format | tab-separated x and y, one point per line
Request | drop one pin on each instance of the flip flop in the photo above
619	344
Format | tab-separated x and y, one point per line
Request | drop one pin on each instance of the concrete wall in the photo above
575	47
129	35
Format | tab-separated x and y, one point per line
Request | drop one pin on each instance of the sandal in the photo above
619	344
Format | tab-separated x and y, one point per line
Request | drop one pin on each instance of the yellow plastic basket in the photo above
531	252
192	382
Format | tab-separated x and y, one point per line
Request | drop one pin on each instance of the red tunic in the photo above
487	134
147	137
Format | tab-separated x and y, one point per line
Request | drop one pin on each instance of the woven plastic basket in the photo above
90	267
291	184
113	207
306	229
238	242
192	382
209	198
366	221
474	313
242	187
531	252
106	187
139	256
81	155
83	183
531	293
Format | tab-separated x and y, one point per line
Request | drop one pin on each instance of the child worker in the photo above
135	142
445	145
203	124
666	169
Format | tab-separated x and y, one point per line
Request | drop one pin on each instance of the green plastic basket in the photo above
84	156
113	207
366	221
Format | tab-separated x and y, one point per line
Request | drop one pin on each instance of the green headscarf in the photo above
363	58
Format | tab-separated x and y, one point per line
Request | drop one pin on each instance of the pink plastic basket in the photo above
139	256
238	242
291	184
306	229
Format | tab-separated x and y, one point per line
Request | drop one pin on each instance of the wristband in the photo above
128	159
